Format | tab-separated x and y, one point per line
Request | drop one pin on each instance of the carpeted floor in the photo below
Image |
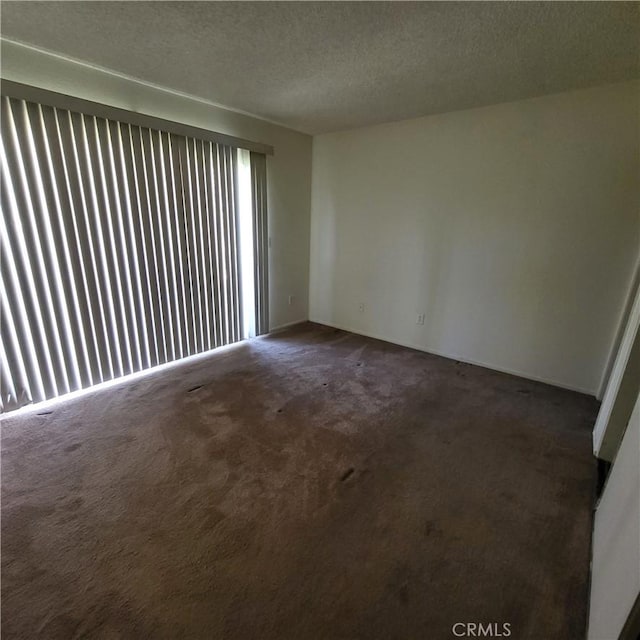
317	485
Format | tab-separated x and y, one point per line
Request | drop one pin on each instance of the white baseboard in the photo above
453	356
287	325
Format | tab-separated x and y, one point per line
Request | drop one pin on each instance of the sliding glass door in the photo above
122	247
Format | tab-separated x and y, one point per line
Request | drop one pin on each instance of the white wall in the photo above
288	171
515	229
615	569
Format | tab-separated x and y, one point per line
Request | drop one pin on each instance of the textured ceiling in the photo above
320	67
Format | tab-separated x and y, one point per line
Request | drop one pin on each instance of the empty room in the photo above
320	320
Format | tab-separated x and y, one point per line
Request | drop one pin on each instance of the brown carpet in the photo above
318	484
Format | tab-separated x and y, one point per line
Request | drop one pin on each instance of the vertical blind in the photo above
119	249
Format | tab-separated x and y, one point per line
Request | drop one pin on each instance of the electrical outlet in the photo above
291	299
420	318
361	307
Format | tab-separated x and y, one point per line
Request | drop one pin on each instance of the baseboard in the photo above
453	356
288	325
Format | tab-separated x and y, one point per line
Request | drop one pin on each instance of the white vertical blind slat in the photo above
172	163
224	237
205	274
214	231
168	231
187	245
260	240
220	245
196	265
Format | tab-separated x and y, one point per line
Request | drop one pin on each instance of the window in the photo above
122	247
